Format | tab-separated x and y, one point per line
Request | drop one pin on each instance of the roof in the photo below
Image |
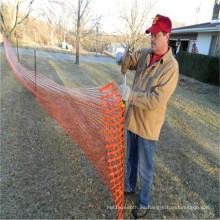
198	28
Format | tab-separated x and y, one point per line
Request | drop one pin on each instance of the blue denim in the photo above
140	152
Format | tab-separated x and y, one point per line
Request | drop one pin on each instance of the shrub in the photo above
201	67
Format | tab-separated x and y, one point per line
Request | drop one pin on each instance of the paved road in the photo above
65	56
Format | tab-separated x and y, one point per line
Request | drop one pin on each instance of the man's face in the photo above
159	42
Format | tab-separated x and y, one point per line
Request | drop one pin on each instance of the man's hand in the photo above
119	57
124	91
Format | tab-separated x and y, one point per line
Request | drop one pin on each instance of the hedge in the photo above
201	67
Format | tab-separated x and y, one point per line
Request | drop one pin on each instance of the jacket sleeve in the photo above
132	60
160	94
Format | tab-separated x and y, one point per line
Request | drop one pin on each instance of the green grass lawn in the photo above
186	180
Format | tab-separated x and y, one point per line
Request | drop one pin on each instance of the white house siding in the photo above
203	43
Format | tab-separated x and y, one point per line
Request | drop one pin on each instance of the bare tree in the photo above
11	14
135	20
82	7
176	24
66	14
59	14
32	27
90	26
49	13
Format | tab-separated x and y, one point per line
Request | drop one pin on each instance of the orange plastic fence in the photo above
93	117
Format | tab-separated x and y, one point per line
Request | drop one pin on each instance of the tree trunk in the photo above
77	50
78	34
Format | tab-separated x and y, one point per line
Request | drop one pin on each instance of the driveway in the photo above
65	56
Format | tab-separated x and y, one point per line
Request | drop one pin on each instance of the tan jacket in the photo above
151	90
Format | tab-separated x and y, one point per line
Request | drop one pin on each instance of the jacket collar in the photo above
166	56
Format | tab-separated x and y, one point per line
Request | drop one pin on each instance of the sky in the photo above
181	11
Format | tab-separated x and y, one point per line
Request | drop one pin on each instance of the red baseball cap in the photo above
160	23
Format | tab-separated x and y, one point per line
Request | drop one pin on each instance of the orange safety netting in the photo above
93	117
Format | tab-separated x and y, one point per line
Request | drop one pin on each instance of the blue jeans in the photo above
140	152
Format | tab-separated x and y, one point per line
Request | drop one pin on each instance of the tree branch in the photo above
16	18
85	7
28	12
17	11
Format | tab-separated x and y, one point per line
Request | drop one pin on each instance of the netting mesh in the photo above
93	117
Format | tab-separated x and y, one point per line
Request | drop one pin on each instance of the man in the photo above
154	82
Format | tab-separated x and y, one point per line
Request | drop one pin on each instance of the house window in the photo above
214	47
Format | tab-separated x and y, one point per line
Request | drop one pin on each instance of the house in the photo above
67	46
205	37
112	48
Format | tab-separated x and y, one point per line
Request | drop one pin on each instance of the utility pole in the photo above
197	11
197	14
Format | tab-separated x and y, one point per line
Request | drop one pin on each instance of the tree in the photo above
176	24
11	14
80	12
90	26
48	12
64	21
31	28
135	20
